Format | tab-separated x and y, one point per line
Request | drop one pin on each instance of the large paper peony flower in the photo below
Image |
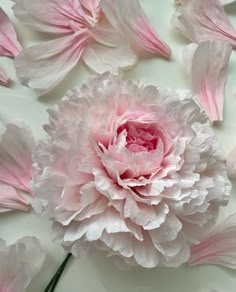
131	170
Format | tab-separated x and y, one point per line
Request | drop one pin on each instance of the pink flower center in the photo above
140	136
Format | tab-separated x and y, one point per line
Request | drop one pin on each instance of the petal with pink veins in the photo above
203	20
129	18
9	45
11	199
4	79
44	66
16	145
217	247
207	66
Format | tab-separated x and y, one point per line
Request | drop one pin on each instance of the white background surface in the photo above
100	274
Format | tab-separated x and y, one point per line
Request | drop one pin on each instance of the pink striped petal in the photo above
203	20
129	18
4	79
207	65
11	199
231	164
16	145
218	247
9	45
43	66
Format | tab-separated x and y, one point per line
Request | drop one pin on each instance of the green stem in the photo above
52	284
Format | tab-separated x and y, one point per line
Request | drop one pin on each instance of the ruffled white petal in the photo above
20	263
4	79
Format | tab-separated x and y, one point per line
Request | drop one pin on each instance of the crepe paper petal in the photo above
16	145
43	66
129	18
9	45
217	247
20	263
226	2
4	79
203	20
207	65
11	199
231	164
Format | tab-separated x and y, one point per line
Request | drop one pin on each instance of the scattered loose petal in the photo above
9	45
225	2
231	164
207	66
203	20
129	18
4	79
19	263
131	170
217	247
107	35
43	66
16	170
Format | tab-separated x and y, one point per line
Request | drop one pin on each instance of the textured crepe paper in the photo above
217	247
19	263
4	79
203	20
9	45
139	169
16	170
207	65
103	45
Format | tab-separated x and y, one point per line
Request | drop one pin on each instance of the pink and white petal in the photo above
102	58
44	66
231	164
47	16
16	146
129	18
10	199
217	247
203	20
4	79
226	2
208	75
9	45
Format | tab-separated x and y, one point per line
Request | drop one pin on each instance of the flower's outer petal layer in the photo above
208	68
203	20
129	18
9	45
43	66
217	247
231	164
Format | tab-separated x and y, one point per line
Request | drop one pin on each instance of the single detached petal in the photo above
207	65
11	199
217	247
53	16
4	79
43	66
9	45
225	2
231	164
16	145
20	263
203	20
129	17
